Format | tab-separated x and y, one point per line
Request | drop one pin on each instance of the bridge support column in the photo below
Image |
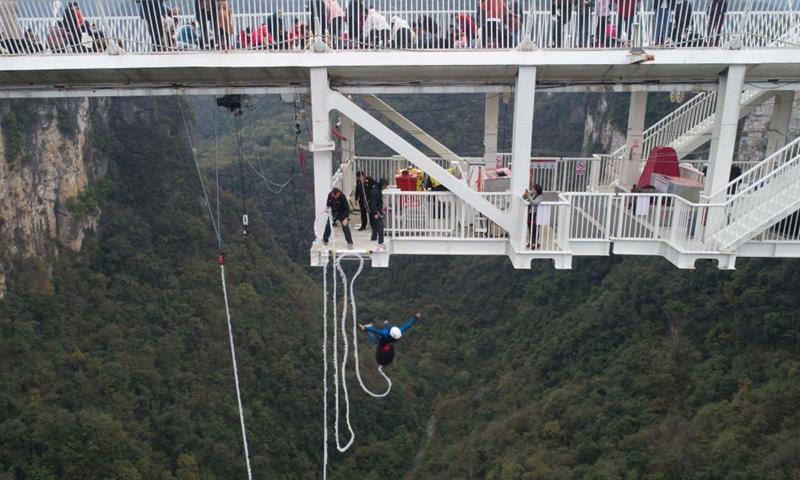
490	122
321	144
629	174
726	123
779	123
524	95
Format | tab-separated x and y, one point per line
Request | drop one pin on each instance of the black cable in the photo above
245	219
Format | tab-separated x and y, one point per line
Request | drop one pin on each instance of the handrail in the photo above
759	178
138	26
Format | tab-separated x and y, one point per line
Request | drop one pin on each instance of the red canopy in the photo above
662	160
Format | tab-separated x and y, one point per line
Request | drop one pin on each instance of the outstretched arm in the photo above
411	321
381	332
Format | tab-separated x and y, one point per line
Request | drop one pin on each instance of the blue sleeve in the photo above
381	332
408	324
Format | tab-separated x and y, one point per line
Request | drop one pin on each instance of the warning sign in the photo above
580	167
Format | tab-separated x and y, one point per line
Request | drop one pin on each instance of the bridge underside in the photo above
53	75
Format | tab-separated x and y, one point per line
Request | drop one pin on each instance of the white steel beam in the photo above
726	124
339	102
347	128
490	120
409	127
634	142
321	144
779	122
521	143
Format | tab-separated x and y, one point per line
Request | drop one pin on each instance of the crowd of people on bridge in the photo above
354	24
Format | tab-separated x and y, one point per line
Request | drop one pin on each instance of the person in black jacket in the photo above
364	186
339	210
376	210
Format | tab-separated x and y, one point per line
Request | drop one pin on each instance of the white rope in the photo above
224	285
325	371
355	323
340	373
236	374
336	369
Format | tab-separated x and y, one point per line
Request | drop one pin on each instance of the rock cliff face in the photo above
600	131
753	141
46	159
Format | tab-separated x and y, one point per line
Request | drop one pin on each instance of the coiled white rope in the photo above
355	324
340	371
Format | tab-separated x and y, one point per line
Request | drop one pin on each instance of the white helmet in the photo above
395	333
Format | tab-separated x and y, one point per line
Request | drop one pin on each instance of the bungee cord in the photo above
348	288
214	223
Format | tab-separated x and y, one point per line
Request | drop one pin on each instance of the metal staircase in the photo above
758	199
690	126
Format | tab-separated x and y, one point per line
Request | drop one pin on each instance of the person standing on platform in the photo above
533	199
376	210
339	210
364	186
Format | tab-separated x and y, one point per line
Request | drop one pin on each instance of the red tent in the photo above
662	160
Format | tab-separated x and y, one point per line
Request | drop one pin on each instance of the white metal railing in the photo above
549	227
756	176
756	203
591	215
440	215
611	168
388	167
663	217
176	25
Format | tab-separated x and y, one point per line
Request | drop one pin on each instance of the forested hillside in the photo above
116	363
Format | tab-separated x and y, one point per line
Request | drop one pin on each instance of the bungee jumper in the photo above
386	337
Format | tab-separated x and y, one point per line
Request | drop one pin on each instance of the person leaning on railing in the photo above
602	10
494	14
560	14
356	13
225	25
153	12
205	11
377	30
661	21
626	13
716	17
584	30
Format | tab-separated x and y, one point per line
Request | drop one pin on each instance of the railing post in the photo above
594	173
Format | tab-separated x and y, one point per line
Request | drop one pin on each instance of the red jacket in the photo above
260	36
627	8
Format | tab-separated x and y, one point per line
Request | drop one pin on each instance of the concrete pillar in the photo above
631	167
521	151
778	129
321	144
726	123
490	122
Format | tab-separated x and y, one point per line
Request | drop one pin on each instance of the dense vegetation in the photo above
117	366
